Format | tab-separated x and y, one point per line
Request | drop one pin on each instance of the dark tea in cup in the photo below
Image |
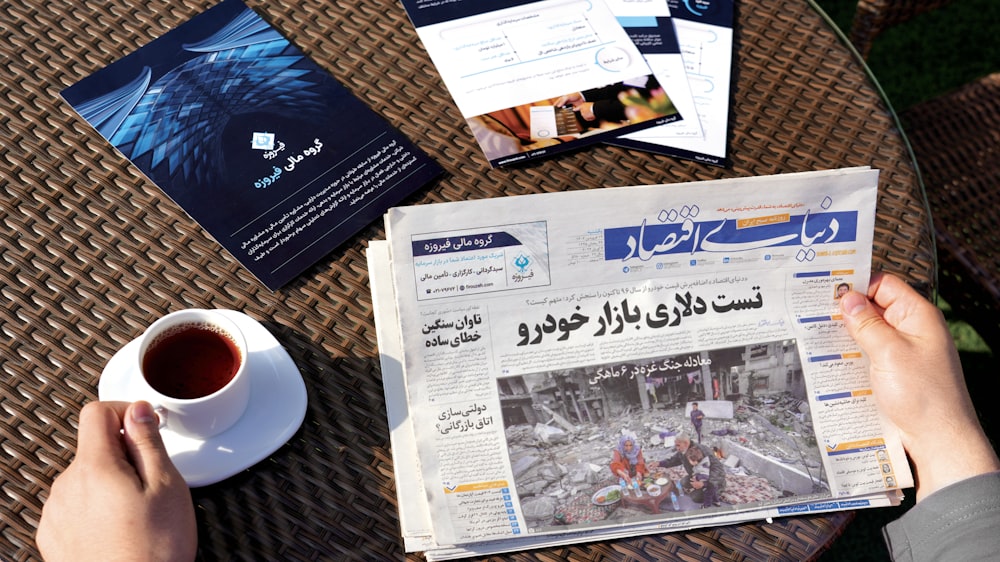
192	367
191	361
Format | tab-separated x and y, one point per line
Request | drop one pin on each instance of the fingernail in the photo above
142	412
853	303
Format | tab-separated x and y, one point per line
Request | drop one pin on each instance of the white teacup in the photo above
192	369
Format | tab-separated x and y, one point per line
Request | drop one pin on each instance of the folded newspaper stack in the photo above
522	338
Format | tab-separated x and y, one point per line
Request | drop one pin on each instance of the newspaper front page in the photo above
522	338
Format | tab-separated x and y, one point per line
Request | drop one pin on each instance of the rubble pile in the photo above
552	462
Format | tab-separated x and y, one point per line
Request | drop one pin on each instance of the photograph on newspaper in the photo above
632	441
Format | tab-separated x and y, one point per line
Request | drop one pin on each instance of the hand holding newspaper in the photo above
523	340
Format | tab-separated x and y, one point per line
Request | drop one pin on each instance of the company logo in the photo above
262	141
521	262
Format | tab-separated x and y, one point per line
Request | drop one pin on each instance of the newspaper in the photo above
521	337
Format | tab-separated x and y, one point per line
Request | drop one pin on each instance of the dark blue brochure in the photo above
254	140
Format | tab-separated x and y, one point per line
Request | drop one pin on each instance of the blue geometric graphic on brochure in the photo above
258	143
106	113
243	68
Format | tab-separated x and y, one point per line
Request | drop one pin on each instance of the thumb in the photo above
144	443
865	323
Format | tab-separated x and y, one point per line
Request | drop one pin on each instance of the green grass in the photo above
932	54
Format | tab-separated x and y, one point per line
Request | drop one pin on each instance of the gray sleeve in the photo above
959	522
716	471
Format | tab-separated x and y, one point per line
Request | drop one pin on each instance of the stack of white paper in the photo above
536	78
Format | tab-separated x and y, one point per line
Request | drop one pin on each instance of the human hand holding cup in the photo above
192	366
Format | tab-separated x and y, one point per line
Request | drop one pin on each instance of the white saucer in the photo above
276	409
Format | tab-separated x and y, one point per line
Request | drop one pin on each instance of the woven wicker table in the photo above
91	253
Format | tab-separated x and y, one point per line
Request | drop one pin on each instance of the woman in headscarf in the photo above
627	461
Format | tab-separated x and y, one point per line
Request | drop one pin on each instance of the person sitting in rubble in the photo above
701	467
627	461
692	487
